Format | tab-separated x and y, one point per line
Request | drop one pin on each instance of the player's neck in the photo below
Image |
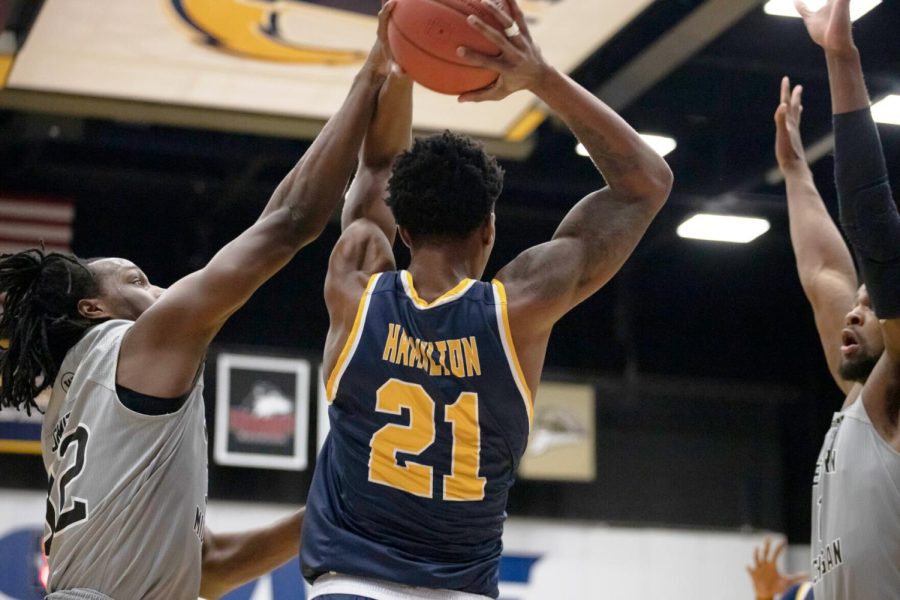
436	269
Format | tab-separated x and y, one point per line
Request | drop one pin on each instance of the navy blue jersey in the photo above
430	414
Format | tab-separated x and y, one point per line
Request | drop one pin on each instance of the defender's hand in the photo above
519	63
768	581
830	26
381	60
788	142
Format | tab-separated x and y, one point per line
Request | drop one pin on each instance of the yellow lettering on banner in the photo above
442	349
463	483
390	346
456	358
473	363
413	439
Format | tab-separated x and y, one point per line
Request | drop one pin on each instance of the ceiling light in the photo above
887	110
723	228
785	8
661	144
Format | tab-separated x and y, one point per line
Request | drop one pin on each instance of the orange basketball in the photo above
424	36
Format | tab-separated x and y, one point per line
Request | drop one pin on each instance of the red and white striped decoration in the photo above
26	222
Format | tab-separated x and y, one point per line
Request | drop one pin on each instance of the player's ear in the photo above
489	229
93	309
404	235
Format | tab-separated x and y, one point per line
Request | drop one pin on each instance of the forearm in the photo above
868	213
390	131
389	134
315	185
816	240
846	80
236	558
626	162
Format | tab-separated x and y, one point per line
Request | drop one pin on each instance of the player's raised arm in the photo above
602	230
824	263
171	337
369	229
869	215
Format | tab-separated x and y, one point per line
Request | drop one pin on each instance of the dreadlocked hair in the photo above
40	320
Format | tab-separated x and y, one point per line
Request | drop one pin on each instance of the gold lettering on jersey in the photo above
458	357
403	353
390	348
442	349
473	364
434	368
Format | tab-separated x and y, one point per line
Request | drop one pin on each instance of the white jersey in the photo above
856	512
127	491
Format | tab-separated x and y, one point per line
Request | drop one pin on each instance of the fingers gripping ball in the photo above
424	36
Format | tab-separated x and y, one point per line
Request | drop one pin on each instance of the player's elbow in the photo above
659	181
648	183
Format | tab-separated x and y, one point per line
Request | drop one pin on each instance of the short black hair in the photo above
40	319
444	187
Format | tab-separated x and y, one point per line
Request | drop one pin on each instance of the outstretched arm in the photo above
601	231
868	214
823	260
369	229
162	352
233	559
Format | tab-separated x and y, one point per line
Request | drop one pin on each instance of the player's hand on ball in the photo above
519	63
380	57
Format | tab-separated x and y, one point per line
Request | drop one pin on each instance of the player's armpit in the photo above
362	250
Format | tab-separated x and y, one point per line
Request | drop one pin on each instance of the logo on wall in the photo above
288	31
262	411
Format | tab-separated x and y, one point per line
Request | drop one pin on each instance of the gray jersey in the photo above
856	512
127	491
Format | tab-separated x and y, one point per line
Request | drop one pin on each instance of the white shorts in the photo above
377	589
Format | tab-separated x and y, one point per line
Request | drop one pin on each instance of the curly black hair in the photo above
444	187
40	319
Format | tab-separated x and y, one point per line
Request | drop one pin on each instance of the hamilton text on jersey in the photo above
445	357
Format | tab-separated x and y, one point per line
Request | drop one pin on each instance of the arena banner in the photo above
542	559
262	411
563	441
290	57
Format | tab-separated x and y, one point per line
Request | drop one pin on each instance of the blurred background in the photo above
684	404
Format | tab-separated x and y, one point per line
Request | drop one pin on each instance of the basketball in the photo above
424	36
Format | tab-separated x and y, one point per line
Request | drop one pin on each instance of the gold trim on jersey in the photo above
452	294
803	591
510	348
352	340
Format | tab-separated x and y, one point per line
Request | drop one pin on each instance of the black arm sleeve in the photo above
869	216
